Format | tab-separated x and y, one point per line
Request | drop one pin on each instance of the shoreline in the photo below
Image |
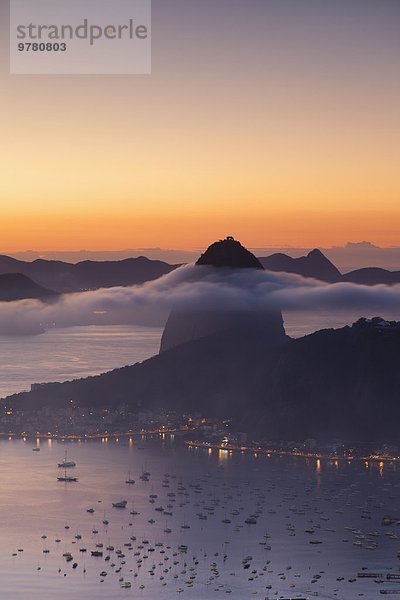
180	433
91	436
307	455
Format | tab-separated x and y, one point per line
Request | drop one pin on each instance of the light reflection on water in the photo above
292	495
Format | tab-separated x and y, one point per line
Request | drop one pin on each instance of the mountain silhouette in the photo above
193	323
229	253
372	276
64	277
15	286
315	265
68	277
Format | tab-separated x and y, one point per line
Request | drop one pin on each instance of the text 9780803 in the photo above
42	47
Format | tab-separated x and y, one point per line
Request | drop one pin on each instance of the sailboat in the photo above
130	481
66	464
145	475
133	511
66	478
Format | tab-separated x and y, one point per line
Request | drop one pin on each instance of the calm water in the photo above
295	502
62	354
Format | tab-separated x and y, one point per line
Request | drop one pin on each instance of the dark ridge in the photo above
314	265
15	286
68	277
372	276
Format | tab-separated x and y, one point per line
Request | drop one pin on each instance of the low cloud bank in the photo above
197	287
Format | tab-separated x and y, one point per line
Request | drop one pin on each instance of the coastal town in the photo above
194	430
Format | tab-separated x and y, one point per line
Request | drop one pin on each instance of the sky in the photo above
276	121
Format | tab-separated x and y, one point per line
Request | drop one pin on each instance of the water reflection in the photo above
287	496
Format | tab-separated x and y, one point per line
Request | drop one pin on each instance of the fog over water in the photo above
197	287
108	328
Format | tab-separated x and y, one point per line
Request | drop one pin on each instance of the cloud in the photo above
197	287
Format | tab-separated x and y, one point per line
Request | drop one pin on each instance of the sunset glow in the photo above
281	128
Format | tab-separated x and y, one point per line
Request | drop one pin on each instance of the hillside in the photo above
340	383
15	286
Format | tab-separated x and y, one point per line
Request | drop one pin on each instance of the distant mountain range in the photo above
65	277
372	276
353	255
315	265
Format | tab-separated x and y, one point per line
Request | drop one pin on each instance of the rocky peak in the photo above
193	323
229	253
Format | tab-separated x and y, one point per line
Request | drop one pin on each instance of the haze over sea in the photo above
69	353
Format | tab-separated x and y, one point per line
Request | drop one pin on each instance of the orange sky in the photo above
287	134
